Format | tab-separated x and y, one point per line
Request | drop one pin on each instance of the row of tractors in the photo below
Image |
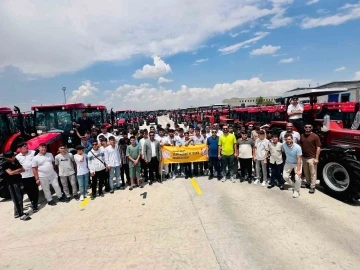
338	169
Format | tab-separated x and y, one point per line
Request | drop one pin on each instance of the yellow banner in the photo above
184	154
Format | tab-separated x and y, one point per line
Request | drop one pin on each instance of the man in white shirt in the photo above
43	169
104	133
113	163
290	130
163	140
198	139
25	158
261	151
144	165
82	171
295	111
96	160
65	164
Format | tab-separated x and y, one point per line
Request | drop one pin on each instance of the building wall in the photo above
247	101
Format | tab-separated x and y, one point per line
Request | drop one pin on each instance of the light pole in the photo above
64	89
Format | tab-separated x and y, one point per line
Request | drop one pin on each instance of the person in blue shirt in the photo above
293	162
213	154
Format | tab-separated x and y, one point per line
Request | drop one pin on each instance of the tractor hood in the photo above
46	138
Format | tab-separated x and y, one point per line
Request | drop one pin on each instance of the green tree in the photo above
259	100
268	102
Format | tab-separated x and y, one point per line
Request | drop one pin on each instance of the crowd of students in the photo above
135	158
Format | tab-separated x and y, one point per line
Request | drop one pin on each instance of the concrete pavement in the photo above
229	226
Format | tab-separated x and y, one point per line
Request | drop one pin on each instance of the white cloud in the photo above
84	92
279	20
346	13
311	2
235	47
163	80
286	60
269	49
158	69
76	34
238	33
339	69
200	61
356	75
147	97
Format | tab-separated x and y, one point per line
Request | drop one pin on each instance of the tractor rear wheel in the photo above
340	176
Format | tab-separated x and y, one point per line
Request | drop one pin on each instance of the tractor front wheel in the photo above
340	176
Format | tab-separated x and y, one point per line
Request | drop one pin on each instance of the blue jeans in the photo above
276	170
83	181
114	171
227	162
176	168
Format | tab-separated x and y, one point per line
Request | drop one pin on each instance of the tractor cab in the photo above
26	123
54	125
9	136
97	113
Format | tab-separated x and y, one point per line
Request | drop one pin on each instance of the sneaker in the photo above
86	195
93	197
281	187
111	191
263	183
17	216
312	190
223	180
131	188
182	174
257	181
76	197
233	179
141	186
81	197
35	209
296	194
62	199
174	177
305	185
52	203
25	217
211	177
270	186
101	194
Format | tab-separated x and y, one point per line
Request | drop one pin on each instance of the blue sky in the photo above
203	51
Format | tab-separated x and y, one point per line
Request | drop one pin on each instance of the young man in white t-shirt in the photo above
43	169
82	171
295	111
261	151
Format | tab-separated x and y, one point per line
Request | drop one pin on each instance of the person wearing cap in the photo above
104	133
82	171
13	170
113	162
65	164
31	188
295	111
84	123
44	172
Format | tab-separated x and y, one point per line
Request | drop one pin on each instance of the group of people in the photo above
136	157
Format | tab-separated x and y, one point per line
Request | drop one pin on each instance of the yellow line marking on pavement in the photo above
196	186
84	202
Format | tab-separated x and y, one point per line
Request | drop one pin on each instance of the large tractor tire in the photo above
339	174
4	191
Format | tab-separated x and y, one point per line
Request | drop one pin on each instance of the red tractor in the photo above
10	137
54	125
98	113
339	166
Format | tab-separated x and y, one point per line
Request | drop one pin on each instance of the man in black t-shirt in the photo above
13	171
84	123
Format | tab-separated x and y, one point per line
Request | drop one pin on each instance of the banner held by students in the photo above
184	154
